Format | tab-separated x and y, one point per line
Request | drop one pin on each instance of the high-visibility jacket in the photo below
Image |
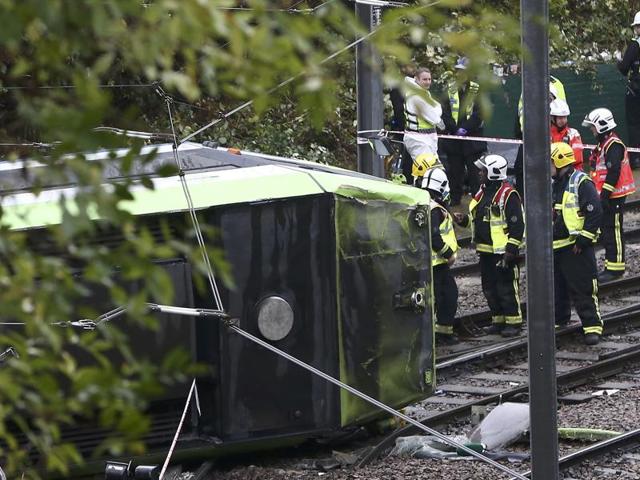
625	184
498	226
422	112
415	122
570	136
454	100
572	217
559	88
448	236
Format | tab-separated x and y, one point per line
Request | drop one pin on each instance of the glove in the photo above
461	132
604	199
451	260
581	244
510	258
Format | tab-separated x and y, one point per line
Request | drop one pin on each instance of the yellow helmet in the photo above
562	154
424	162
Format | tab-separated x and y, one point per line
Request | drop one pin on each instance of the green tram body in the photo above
339	254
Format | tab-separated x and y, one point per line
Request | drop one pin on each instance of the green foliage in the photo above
209	59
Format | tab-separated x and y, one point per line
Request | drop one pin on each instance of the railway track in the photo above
574	368
632	235
470	325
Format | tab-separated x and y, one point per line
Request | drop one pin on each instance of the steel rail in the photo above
611	318
414	423
613	321
579	376
597	449
481	318
472	268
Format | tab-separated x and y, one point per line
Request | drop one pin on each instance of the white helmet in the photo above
436	180
601	118
559	108
636	20
553	91
496	166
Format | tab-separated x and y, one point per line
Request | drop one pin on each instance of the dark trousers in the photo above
445	291
611	236
501	288
632	110
634	141
459	165
576	280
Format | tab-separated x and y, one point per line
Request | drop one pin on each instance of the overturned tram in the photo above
329	265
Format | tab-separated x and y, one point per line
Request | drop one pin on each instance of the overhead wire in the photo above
291	9
70	87
293	78
192	213
120	310
279	352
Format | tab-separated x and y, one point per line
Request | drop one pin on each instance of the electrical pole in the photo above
538	215
369	90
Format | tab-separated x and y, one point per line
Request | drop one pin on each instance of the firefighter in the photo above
629	66
576	218
562	132
556	90
422	114
612	175
443	254
497	225
461	116
422	164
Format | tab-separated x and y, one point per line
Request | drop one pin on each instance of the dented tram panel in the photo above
329	265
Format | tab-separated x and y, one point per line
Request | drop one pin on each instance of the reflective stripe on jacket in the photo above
497	222
448	236
570	211
454	100
625	184
415	122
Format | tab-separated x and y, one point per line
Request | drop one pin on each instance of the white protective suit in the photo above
421	106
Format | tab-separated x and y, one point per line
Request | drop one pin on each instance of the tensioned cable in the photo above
69	87
373	401
291	79
291	9
92	324
232	325
266	345
286	355
31	144
193	390
192	212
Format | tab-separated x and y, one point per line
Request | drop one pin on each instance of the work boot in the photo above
591	339
511	331
446	339
608	276
494	329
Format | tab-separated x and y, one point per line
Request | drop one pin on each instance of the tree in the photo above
64	66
